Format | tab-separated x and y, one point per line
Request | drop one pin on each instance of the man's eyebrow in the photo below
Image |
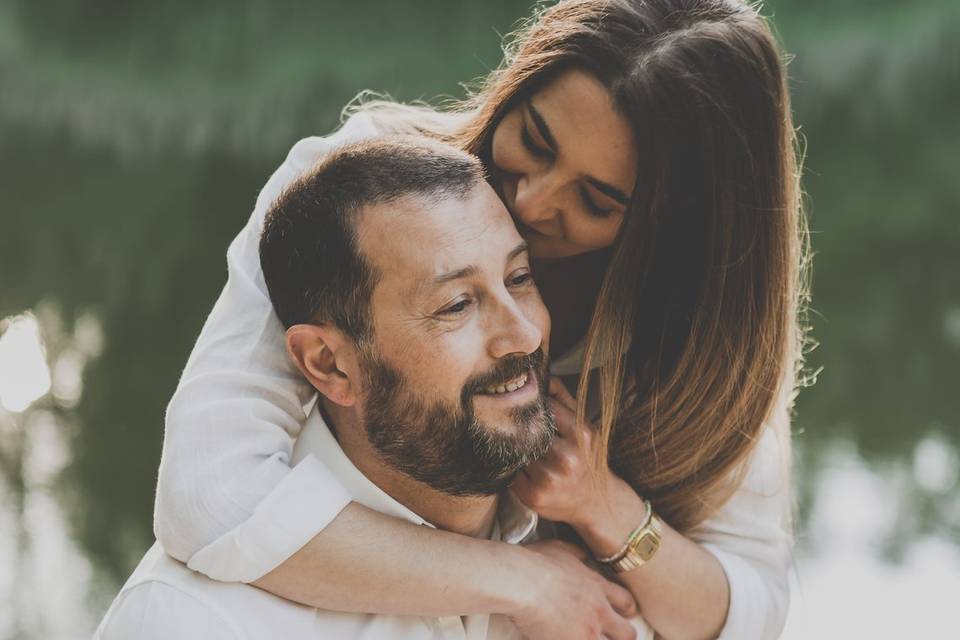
450	276
517	250
605	188
465	272
472	270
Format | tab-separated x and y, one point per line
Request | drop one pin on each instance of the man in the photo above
409	305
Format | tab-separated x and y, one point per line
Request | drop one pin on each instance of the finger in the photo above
621	599
616	627
555	384
539	481
564	459
522	488
559	391
564	418
521	483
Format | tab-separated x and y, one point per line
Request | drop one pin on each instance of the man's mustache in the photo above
504	372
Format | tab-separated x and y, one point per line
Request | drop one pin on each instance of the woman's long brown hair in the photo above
696	328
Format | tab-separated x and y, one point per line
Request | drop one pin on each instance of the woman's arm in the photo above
225	474
682	591
365	561
729	582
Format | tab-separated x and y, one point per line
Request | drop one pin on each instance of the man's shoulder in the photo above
152	610
159	601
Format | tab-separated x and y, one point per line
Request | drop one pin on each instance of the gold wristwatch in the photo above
640	547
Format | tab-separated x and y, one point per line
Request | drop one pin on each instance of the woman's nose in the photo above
535	201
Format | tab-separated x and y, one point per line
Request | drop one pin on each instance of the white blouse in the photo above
230	506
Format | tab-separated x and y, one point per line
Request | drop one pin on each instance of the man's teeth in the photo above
513	385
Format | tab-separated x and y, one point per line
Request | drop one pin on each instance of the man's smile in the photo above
514	389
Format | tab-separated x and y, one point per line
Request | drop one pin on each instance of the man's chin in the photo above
519	438
512	421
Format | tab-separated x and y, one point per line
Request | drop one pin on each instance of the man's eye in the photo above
532	147
521	279
456	309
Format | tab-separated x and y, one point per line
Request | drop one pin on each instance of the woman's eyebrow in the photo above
547	135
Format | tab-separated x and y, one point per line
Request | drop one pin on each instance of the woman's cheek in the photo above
505	151
597	233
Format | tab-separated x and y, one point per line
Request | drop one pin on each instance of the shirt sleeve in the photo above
228	504
157	611
752	538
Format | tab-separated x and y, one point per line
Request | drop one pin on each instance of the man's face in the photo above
454	388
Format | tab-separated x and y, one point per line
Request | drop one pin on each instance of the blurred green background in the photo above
135	135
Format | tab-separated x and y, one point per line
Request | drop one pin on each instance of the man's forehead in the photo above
421	241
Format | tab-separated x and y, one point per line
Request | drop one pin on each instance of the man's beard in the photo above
446	447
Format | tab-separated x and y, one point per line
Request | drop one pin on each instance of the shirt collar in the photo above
570	362
515	521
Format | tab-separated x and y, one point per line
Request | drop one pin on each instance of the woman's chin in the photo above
546	248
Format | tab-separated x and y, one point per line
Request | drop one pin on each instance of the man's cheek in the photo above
439	383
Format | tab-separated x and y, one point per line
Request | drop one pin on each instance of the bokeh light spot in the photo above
24	374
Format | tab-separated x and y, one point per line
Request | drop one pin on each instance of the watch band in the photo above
641	545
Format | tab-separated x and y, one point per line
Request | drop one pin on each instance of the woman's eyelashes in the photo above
594	209
546	154
532	146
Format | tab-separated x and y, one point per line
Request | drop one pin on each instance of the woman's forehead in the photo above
590	134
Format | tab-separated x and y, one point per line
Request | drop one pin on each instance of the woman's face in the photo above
565	165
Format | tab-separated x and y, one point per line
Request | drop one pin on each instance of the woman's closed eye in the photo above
536	150
595	210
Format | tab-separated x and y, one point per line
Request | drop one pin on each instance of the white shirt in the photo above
231	505
165	599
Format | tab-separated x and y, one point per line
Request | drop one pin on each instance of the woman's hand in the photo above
572	600
563	486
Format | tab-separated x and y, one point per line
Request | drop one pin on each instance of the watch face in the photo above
647	545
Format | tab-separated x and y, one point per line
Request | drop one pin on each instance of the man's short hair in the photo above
312	265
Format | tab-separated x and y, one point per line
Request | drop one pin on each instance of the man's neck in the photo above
473	516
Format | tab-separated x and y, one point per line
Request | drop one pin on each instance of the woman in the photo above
645	150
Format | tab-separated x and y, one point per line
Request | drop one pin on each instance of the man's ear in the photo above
328	360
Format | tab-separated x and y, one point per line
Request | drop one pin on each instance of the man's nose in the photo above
514	332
